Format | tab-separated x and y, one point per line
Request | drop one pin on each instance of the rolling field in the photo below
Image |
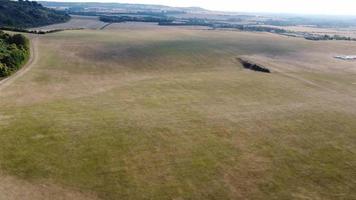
169	113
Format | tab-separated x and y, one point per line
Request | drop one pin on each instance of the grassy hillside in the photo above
24	14
14	51
146	112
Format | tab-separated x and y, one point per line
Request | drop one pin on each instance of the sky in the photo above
326	7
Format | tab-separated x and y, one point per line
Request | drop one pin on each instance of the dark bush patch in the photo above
252	66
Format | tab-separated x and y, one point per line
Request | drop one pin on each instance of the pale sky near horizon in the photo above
331	7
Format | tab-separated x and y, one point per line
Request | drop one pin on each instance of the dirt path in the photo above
27	67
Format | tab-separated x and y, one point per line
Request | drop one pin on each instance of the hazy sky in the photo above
340	7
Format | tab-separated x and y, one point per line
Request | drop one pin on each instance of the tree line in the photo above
126	18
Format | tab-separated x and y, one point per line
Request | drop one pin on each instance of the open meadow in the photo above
149	112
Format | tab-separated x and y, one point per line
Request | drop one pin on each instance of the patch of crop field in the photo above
76	22
169	113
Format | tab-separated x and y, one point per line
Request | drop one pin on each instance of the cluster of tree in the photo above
187	22
84	13
126	18
250	28
328	37
25	14
215	25
14	51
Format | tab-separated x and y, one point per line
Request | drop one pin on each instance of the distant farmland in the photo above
169	113
88	22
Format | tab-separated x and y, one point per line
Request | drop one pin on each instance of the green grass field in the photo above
169	113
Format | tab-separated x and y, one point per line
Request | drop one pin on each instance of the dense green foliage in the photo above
26	14
14	51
